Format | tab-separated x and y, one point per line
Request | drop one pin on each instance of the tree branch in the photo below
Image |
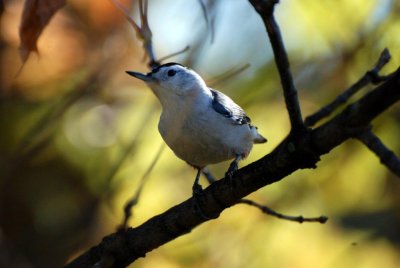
125	247
372	76
386	156
266	10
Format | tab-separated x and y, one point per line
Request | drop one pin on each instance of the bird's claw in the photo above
229	174
197	190
197	193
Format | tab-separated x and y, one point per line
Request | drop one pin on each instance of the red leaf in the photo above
36	15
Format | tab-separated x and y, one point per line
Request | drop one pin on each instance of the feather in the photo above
224	105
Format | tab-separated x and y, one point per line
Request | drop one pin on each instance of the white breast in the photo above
200	136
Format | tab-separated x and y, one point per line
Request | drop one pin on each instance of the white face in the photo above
175	79
173	83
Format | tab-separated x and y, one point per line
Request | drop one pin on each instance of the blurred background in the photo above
77	133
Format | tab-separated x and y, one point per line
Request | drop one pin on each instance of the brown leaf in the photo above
36	15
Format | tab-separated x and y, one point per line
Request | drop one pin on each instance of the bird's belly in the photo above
199	144
201	152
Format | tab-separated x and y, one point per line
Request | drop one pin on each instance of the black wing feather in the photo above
222	104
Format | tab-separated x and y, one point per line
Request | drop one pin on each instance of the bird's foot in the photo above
232	168
197	193
197	190
197	206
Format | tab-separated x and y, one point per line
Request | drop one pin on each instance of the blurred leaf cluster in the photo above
77	133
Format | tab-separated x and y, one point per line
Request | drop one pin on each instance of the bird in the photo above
201	125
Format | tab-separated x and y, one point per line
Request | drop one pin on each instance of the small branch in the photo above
130	148
209	21
143	32
265	9
386	156
372	76
269	211
219	79
174	54
135	198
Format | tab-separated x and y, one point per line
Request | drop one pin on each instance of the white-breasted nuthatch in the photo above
201	125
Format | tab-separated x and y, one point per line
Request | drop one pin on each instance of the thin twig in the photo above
227	75
145	35
209	21
135	198
174	54
372	76
386	156
129	149
144	32
269	211
266	10
125	11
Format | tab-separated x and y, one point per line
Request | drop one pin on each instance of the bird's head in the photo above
172	80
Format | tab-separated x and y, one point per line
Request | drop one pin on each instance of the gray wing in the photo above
222	104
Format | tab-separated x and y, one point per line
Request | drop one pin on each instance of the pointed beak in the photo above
143	77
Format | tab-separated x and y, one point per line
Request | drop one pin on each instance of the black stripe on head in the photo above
165	65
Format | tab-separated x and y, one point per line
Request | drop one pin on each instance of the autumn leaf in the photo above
36	15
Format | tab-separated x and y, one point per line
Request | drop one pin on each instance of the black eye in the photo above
171	73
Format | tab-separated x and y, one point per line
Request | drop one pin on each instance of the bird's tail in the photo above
257	137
